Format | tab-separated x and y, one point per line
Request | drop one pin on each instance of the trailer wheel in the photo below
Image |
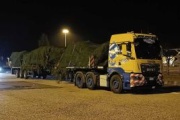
21	74
17	72
90	80
44	76
116	84
12	71
25	74
69	76
80	80
39	76
34	74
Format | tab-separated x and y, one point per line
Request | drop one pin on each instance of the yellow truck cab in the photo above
135	59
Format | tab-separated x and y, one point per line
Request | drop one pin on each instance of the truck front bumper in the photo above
138	80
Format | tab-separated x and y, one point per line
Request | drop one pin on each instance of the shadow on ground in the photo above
18	85
165	89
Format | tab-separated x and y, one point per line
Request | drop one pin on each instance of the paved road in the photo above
46	100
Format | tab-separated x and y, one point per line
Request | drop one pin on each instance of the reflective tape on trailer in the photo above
91	61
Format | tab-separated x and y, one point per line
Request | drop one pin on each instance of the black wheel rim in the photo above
78	81
115	84
89	81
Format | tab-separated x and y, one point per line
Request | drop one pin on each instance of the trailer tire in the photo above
12	71
34	74
70	76
39	76
116	84
17	72
44	76
21	74
25	74
80	80
90	80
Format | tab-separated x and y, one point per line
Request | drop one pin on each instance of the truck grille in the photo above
150	70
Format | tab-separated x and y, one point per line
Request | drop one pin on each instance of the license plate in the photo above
151	78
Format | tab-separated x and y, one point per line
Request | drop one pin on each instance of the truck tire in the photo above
17	72
70	76
25	74
80	80
34	74
116	84
44	76
39	76
90	80
21	74
13	71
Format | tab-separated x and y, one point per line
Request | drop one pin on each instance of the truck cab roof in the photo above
128	37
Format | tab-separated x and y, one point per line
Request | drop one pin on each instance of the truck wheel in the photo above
21	75
44	76
90	80
116	84
25	74
13	71
80	80
39	76
34	74
70	76
17	73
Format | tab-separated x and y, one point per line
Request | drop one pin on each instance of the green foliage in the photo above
57	59
78	54
42	56
16	58
101	54
75	55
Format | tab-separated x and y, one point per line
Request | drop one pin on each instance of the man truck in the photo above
134	61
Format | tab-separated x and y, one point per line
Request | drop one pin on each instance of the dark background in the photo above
22	22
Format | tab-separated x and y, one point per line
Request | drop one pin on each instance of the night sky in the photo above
22	22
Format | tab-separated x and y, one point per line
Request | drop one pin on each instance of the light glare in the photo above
65	31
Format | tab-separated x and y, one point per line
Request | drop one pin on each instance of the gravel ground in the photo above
65	101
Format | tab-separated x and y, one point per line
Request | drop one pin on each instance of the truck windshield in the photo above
147	48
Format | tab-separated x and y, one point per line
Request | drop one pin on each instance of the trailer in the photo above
37	63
